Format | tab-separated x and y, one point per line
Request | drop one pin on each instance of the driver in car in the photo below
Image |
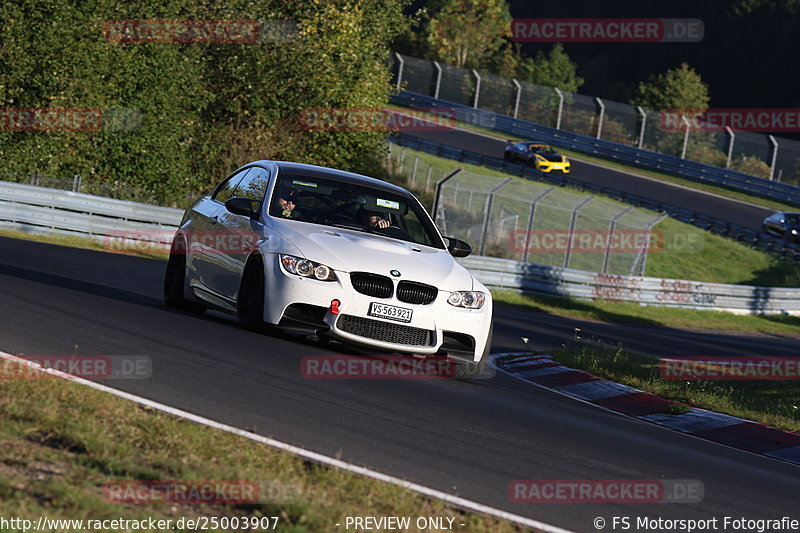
373	219
286	205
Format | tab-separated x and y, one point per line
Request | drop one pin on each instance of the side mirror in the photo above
242	206
457	247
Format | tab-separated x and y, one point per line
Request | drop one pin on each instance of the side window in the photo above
225	190
254	185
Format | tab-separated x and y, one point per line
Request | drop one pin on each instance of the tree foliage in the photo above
678	88
205	108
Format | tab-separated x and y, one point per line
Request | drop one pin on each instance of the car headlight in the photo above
307	269
794	232
468	299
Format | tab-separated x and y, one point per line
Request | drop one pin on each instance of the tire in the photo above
250	304
175	279
466	371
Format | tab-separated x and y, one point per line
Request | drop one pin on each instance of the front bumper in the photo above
433	327
550	166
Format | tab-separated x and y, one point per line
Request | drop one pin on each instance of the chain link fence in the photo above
757	154
526	221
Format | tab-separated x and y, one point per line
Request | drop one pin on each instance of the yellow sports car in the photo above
538	155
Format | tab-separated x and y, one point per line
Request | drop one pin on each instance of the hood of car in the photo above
355	251
552	156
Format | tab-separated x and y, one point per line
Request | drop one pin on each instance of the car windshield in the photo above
339	204
793	218
541	148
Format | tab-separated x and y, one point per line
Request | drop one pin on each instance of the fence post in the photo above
414	172
402	159
613	223
438	79
774	156
641	128
602	115
519	93
428	181
477	88
572	229
399	70
76	183
438	194
487	210
730	145
560	107
531	216
685	136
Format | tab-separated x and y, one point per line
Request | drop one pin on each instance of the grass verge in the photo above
63	442
632	169
769	402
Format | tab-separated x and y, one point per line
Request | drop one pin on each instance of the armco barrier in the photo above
44	210
566	282
757	239
670	164
39	209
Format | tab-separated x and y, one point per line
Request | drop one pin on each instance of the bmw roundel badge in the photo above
395	273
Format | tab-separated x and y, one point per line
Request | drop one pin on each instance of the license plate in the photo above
390	312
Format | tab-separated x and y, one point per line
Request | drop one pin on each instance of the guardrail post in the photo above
602	115
477	88
76	183
487	210
730	146
774	156
399	70
572	229
611	226
438	79
438	195
534	201
641	128
685	136
560	107
519	93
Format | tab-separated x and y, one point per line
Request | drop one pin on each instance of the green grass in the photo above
774	403
63	442
661	176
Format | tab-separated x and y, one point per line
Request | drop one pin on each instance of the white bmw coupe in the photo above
331	254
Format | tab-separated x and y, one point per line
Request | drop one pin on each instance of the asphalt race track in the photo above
470	439
744	214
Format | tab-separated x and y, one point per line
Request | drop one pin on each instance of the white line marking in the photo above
302	452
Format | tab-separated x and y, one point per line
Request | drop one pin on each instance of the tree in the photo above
678	88
555	69
469	33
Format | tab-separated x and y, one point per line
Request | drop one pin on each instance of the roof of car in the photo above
316	171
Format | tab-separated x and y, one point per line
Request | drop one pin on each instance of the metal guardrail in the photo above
578	284
757	239
40	209
699	172
44	210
